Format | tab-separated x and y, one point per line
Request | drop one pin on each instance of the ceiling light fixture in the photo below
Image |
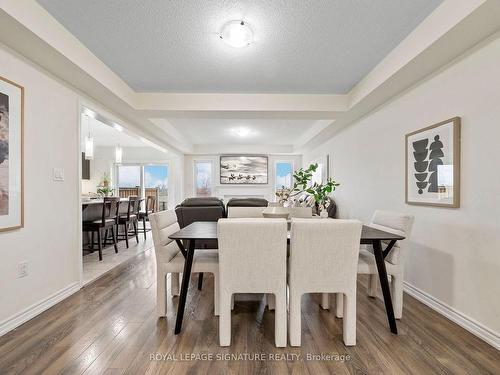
242	132
118	154
236	34
89	142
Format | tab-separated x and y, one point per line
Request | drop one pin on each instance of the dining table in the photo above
207	230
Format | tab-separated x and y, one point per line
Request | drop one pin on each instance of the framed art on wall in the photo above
433	165
11	155
243	169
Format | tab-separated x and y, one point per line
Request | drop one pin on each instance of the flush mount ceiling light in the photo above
236	34
242	132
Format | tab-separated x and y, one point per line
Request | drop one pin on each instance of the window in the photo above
156	184
129	180
144	181
283	175
203	178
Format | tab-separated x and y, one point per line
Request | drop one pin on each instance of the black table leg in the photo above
184	286
384	283
200	281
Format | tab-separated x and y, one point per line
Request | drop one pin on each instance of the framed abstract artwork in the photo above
11	155
433	165
243	169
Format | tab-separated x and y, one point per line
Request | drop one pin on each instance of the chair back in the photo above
396	223
150	204
252	254
163	224
110	208
138	204
301	212
324	254
133	206
245	212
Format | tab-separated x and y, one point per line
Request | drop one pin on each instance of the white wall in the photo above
49	240
265	191
455	253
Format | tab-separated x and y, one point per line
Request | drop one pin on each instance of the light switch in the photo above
58	174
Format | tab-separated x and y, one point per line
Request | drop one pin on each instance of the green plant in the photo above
302	179
105	191
105	180
322	191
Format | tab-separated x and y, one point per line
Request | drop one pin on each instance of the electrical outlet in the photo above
22	269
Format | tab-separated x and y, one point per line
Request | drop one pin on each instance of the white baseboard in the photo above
16	320
471	325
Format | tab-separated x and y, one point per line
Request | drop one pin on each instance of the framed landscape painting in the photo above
243	169
11	155
433	165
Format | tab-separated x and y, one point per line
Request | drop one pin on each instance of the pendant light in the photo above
89	142
118	154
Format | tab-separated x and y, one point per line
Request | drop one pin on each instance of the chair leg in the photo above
114	239
99	243
105	237
325	301
339	305
126	233
372	285
295	317
397	295
349	322
271	301
280	319
216	294
200	280
225	318
144	226
92	240
161	303
136	224
174	284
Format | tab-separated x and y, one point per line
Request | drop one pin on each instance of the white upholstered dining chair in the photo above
252	259
301	212
323	259
169	259
396	223
242	212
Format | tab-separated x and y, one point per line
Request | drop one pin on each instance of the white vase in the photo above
323	214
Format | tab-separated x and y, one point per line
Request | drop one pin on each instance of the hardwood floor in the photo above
110	327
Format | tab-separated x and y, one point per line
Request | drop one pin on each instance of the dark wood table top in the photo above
207	230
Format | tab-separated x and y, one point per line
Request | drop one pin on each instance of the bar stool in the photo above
110	208
144	215
130	217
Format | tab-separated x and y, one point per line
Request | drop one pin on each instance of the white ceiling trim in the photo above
166	126
241	102
242	149
438	23
464	22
